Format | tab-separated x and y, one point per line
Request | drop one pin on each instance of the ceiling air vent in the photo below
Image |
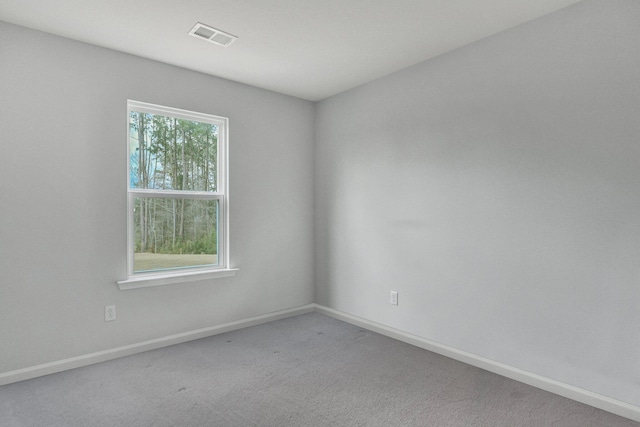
212	35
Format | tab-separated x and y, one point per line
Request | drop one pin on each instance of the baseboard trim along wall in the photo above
128	350
575	393
571	392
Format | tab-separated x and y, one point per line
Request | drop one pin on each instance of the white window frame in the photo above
165	277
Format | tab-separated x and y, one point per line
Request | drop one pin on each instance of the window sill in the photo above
145	281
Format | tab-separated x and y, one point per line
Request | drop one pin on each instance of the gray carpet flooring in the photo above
308	370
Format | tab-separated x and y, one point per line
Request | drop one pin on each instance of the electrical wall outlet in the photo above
393	299
109	313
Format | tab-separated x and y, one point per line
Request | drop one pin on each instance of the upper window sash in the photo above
221	122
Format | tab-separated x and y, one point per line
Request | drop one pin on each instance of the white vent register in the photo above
212	35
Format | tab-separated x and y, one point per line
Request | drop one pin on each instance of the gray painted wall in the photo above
497	189
63	120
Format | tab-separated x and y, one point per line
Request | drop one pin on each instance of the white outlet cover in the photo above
109	313
393	299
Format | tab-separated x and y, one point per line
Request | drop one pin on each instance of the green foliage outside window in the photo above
167	153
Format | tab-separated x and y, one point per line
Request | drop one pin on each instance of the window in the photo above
177	196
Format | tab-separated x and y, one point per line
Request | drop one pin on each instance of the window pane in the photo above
174	233
167	153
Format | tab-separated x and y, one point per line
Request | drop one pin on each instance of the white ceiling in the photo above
311	49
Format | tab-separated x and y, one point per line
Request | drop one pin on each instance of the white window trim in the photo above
192	275
160	278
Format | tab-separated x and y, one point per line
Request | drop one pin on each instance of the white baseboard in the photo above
127	350
575	393
571	392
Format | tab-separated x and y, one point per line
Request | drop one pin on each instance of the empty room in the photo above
320	213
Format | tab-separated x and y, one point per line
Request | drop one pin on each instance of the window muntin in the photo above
177	190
